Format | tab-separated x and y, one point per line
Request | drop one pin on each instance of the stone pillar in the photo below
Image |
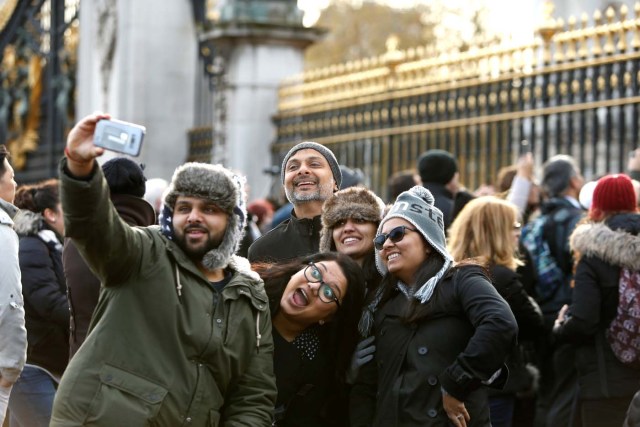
257	44
137	61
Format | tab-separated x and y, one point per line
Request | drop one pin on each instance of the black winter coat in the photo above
603	249
462	340
45	293
83	285
530	326
290	239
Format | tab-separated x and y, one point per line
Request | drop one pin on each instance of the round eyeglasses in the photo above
395	235
325	291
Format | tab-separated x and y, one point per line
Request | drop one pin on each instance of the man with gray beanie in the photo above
310	174
181	334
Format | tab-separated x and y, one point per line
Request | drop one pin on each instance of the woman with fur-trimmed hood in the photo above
40	227
604	243
350	218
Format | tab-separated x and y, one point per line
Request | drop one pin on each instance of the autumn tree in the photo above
359	29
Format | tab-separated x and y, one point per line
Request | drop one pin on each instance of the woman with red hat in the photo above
607	248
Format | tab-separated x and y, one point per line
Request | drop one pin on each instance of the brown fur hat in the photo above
352	202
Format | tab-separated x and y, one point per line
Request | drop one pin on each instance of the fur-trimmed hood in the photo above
615	241
27	223
225	189
352	202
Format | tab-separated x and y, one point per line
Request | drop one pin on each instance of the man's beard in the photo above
196	254
322	193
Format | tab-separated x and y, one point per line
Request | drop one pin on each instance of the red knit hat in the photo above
613	193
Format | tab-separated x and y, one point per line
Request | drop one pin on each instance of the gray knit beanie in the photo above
352	202
326	153
416	207
226	190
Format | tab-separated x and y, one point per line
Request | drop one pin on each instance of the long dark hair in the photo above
38	197
344	325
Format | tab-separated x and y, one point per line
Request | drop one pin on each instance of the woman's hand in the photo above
455	410
80	150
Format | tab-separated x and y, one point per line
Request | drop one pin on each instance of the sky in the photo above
500	14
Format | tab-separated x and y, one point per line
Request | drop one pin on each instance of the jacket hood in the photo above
27	223
614	241
7	212
134	210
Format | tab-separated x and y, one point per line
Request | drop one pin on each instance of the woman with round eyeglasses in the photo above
487	229
442	331
315	303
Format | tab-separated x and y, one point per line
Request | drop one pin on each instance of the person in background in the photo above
40	226
315	304
13	335
488	230
310	175
182	331
561	183
441	331
439	174
154	191
262	210
126	182
400	182
604	244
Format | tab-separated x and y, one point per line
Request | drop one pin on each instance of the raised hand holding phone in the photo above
80	150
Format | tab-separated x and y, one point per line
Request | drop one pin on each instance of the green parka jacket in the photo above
165	349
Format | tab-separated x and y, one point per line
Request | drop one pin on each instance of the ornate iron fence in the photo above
38	42
574	90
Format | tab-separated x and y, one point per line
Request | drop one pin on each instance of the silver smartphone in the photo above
116	135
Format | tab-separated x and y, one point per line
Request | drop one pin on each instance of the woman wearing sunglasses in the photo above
442	331
315	302
487	229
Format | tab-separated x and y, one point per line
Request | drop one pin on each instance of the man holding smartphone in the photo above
181	334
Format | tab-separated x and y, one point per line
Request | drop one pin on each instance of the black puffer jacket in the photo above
45	293
603	249
463	339
290	239
530	325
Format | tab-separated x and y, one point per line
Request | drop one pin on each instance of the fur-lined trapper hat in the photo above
225	189
352	202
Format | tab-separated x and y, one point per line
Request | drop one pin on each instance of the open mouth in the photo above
305	183
300	298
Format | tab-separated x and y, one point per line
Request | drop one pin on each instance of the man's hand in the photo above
455	410
80	150
363	354
525	166
562	317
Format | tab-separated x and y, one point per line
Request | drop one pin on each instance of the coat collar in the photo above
617	247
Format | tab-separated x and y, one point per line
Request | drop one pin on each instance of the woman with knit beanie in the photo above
607	249
442	331
315	305
487	229
40	227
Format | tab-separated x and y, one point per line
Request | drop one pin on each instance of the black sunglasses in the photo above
395	235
